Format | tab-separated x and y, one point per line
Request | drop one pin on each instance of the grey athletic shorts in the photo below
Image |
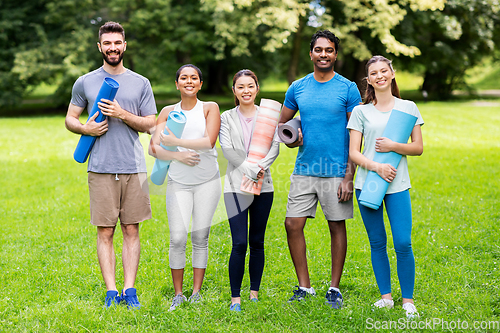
305	191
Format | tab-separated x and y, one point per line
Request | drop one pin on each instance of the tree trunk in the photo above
216	79
293	66
436	85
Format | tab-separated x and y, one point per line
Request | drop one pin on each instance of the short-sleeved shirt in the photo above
371	123
119	149
323	108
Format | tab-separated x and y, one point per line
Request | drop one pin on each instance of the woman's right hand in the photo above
386	171
190	158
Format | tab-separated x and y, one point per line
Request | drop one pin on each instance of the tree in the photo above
451	40
44	40
366	27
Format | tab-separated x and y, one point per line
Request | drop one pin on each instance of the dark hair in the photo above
325	34
370	92
111	27
188	65
244	72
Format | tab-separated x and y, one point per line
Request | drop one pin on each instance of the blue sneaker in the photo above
334	299
112	299
130	297
299	295
236	307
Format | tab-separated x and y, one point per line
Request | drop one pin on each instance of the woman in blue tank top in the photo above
193	186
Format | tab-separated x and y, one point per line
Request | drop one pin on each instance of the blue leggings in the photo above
238	207
398	207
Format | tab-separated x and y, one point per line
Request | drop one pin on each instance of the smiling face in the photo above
112	47
380	76
323	54
189	82
245	89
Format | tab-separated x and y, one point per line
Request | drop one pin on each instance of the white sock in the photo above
309	290
336	289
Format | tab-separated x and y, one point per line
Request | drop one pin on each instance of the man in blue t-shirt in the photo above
323	171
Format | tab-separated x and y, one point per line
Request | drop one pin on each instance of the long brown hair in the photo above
244	72
370	92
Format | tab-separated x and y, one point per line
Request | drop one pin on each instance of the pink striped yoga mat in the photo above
262	138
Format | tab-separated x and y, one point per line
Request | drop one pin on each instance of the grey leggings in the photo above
183	201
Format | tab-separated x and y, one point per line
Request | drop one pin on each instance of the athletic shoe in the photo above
255	300
300	294
178	300
130	297
384	303
334	299
195	298
411	311
112	298
236	307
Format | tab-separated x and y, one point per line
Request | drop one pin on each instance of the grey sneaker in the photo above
195	298
178	300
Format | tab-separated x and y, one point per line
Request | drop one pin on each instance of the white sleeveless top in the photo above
208	167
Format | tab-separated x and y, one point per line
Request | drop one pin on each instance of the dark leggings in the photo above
238	206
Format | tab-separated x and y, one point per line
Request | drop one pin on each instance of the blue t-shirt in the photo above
323	108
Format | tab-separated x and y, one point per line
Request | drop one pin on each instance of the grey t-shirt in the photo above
119	149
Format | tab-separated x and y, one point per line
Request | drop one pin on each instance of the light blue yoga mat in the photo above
398	129
108	90
175	122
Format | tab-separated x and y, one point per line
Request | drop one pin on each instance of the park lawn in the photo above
51	280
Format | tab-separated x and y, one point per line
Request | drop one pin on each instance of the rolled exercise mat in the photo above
398	129
176	121
289	131
262	138
108	90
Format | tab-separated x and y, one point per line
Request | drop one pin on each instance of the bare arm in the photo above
384	170
346	188
74	125
138	123
157	151
415	148
212	116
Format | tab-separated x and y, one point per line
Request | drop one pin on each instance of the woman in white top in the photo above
235	135
193	187
368	121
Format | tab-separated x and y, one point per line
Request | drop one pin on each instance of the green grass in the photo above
51	280
484	76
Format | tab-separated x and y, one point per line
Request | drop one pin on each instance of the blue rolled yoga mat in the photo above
108	90
175	122
398	129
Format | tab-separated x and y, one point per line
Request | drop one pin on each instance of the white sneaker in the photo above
384	303
411	311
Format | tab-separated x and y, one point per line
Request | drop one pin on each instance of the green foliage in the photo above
51	280
452	41
53	41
